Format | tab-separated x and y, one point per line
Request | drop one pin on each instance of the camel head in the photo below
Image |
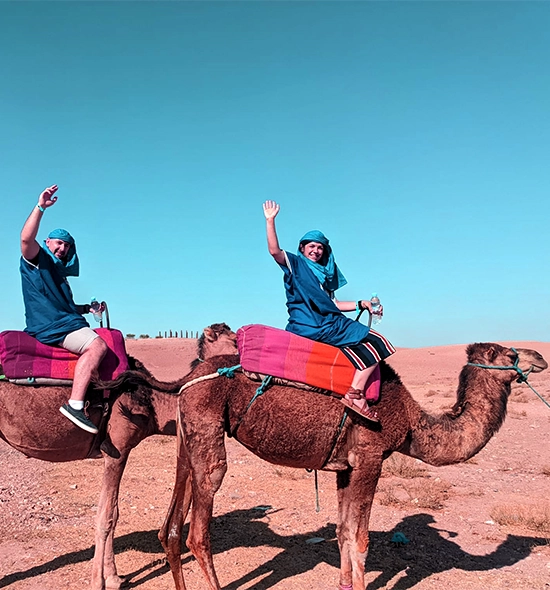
511	361
216	340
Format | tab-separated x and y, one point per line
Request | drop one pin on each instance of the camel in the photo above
304	429
31	423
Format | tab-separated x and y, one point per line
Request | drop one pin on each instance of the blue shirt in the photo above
312	313
50	310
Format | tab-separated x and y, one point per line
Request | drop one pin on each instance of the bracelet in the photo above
41	208
358	306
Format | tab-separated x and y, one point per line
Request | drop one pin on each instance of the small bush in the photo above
401	466
144	336
430	494
534	518
130	336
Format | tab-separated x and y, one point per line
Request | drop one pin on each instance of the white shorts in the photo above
79	340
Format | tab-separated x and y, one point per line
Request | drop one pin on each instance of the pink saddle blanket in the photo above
279	353
24	357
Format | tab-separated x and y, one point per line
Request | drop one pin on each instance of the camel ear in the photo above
209	334
492	354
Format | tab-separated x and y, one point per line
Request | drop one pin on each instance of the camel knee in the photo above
217	473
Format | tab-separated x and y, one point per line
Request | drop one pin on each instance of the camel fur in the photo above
30	422
286	426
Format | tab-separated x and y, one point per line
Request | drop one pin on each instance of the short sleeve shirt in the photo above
50	310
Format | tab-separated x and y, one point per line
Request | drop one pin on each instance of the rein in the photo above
522	375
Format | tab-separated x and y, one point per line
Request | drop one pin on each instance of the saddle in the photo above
26	361
298	361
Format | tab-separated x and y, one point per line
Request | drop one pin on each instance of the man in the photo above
51	314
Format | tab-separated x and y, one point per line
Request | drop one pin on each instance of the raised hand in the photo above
47	198
271	209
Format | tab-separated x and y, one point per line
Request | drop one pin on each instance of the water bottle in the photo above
95	308
375	303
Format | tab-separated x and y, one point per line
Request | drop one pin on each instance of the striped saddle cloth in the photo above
25	358
271	351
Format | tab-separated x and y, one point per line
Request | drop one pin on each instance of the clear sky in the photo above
415	135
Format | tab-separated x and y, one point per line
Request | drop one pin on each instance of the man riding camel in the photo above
52	316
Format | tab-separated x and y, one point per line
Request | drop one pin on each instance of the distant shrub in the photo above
144	335
130	336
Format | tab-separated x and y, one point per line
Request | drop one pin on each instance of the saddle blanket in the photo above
279	353
24	357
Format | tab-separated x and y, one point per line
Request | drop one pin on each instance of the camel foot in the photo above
345	587
114	582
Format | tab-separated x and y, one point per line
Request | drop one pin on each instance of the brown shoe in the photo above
355	400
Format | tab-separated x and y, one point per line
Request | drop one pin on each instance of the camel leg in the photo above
356	489
104	573
208	461
170	532
123	436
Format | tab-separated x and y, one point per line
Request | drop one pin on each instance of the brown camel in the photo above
299	428
30	422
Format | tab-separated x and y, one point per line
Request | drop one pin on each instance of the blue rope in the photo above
228	372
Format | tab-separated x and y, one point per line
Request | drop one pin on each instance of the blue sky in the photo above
415	135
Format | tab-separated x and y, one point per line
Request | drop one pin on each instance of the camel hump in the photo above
25	360
265	350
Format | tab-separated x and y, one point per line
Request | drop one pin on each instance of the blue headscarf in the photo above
70	267
326	271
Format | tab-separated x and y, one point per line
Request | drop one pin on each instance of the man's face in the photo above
313	250
58	248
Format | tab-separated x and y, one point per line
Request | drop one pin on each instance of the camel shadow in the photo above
430	551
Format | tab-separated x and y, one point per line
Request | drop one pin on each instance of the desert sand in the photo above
484	524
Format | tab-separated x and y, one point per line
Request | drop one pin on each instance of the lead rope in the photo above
522	375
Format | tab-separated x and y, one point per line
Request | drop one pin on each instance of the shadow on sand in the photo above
430	551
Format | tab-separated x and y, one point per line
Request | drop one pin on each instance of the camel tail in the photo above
130	379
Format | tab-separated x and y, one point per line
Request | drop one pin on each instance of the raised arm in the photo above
271	209
29	246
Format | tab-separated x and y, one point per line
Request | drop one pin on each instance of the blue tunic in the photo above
50	310
312	313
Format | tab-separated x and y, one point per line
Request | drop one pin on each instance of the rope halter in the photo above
522	375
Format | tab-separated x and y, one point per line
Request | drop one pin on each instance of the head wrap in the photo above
326	271
70	266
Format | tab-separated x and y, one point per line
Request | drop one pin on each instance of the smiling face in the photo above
58	248
313	251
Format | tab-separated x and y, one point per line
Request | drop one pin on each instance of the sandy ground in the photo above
480	525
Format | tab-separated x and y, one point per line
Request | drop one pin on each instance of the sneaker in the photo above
79	418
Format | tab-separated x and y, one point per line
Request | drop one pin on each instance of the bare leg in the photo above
88	361
360	378
355	396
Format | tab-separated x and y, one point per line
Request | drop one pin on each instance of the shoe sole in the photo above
92	430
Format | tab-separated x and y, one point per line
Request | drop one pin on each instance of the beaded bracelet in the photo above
41	208
358	306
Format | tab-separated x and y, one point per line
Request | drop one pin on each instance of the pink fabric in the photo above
23	357
271	351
